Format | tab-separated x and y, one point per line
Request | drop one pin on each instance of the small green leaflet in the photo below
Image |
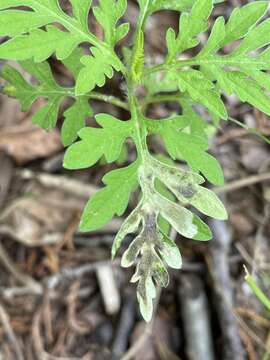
31	42
192	149
188	191
178	5
257	38
75	120
96	142
112	199
235	82
190	26
40	45
243	19
242	23
202	90
43	43
96	68
215	38
108	14
46	116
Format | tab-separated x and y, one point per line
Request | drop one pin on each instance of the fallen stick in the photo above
219	270
196	318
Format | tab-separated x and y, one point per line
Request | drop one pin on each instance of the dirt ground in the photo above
60	295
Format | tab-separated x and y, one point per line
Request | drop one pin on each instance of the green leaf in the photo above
46	116
16	22
214	41
38	43
72	63
204	233
190	26
202	91
192	149
108	14
112	199
188	191
151	6
96	68
96	142
235	82
257	38
80	11
175	123
75	120
203	162
208	203
157	83
243	19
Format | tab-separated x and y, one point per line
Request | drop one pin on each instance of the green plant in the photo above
41	29
256	290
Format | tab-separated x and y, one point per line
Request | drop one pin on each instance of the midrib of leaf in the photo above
68	22
216	60
71	93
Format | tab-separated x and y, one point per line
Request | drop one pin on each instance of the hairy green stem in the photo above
168	66
198	61
110	99
133	103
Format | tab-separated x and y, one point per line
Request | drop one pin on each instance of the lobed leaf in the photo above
96	142
46	116
202	90
190	26
112	199
108	14
243	19
96	68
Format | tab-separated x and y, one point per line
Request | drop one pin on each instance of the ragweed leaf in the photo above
75	120
96	68
151	6
192	149
202	90
190	26
38	43
96	142
170	253
130	225
112	199
46	116
108	14
243	19
248	90
180	218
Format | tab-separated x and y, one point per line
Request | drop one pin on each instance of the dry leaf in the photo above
26	142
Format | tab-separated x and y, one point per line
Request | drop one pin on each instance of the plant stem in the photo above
166	67
133	103
108	99
160	98
256	290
